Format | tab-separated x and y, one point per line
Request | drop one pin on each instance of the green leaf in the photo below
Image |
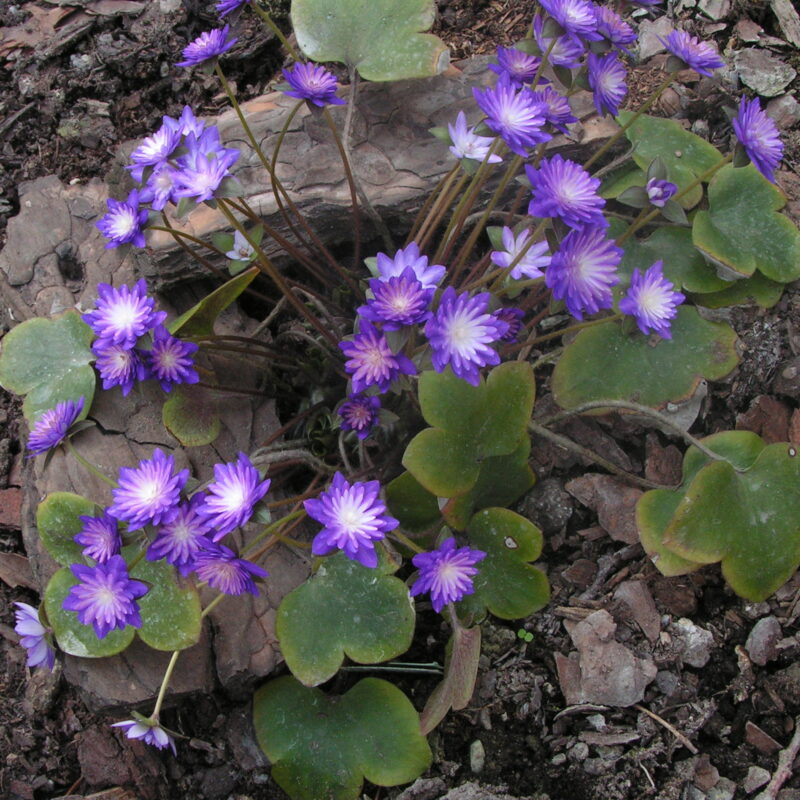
199	320
742	230
345	609
170	612
605	363
747	520
683	264
48	361
190	415
656	508
383	39
460	672
685	155
322	748
621	179
413	505
758	289
72	636
471	423
506	583
57	520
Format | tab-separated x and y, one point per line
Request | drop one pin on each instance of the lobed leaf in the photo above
58	523
49	361
322	747
345	609
605	363
190	415
383	39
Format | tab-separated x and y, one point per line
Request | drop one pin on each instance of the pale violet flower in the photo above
242	250
467	143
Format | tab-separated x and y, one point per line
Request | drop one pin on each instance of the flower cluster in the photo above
187	534
120	319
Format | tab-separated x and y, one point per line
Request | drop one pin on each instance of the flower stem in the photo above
264	14
662	419
409	543
164	684
621	132
91	467
273	529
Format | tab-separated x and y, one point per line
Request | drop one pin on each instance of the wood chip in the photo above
15	570
761	740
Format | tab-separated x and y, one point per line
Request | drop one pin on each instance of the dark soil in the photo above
64	110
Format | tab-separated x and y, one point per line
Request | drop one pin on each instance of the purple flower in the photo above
576	17
203	168
697	55
467	143
207	45
222	570
170	359
34	636
313	83
154	149
607	76
530	265
513	318
371	360
652	301
160	186
360	413
118	365
182	538
559	114
230	499
150	493
149	731
187	123
613	28
513	114
122	315
759	137
99	537
105	596
53	425
583	271
226	6
562	188
354	517
446	573
460	333
567	51
124	221
428	276
658	191
519	66
397	301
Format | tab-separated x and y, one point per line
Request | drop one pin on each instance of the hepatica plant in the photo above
432	352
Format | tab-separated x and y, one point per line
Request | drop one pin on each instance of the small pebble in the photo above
756	778
477	757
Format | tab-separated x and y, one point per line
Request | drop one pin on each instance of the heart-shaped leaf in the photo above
683	264
506	583
58	523
742	230
72	636
412	504
199	320
472	423
747	520
655	508
170	611
605	363
685	155
383	39
324	747
345	609
460	672
190	415
48	361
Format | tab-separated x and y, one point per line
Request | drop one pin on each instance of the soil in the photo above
64	110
